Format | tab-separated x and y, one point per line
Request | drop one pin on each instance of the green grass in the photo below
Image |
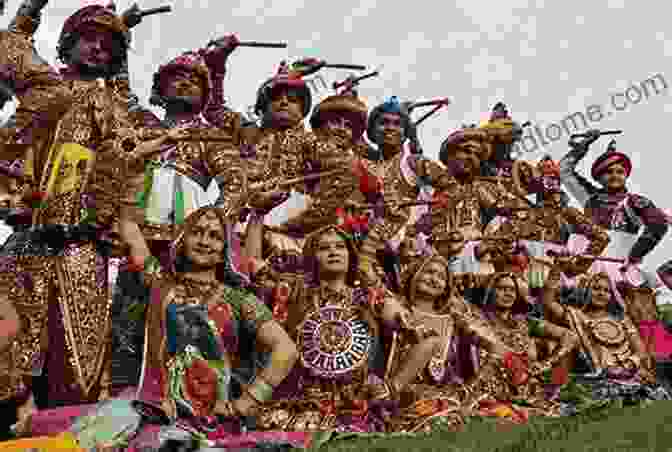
614	428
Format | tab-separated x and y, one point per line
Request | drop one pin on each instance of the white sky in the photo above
544	59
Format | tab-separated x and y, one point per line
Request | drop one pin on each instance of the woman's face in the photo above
205	241
505	291
332	254
600	292
432	280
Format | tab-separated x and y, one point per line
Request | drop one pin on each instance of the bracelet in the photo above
260	391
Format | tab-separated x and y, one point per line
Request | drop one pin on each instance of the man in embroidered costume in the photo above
623	214
340	120
66	293
461	198
276	155
390	182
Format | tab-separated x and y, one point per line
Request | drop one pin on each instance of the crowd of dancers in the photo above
407	295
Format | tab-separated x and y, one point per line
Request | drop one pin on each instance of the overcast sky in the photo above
545	60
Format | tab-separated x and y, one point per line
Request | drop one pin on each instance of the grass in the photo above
609	429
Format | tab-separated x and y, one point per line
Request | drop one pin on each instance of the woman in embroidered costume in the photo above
201	370
336	325
445	360
203	335
609	340
519	376
623	214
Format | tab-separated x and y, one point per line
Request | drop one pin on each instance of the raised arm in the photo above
578	186
215	111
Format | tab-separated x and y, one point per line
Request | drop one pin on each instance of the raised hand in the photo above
218	52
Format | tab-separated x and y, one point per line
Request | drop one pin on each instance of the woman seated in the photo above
338	383
429	370
607	336
520	378
200	377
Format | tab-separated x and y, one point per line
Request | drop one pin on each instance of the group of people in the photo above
407	295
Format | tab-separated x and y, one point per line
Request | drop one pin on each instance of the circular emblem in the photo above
333	342
608	331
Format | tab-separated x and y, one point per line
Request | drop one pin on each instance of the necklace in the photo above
196	290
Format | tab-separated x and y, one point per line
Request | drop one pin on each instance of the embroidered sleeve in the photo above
579	187
655	225
599	239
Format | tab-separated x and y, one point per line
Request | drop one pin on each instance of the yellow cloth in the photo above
67	156
63	442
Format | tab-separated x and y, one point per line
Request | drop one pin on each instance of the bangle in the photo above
260	391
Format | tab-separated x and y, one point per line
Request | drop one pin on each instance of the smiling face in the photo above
331	252
432	280
204	242
286	106
614	177
389	129
505	290
467	157
600	292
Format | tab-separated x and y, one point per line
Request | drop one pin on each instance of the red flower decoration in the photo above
221	314
559	376
361	407
519	262
38	196
441	200
518	365
327	407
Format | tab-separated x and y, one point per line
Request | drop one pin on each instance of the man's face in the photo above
205	241
94	48
389	129
286	107
338	126
614	177
467	158
183	84
332	254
